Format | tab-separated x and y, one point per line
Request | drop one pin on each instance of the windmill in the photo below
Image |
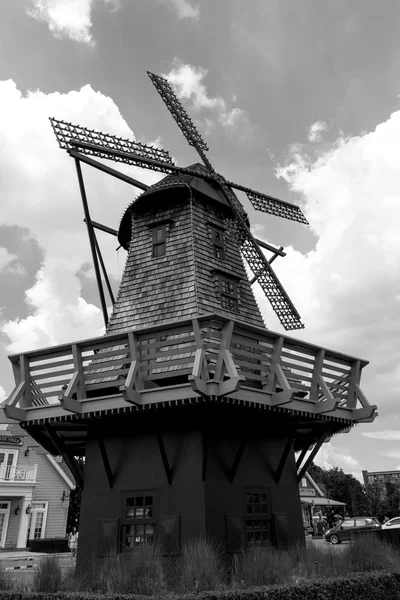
81	143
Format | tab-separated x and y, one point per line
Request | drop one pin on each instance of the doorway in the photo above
4	518
37	520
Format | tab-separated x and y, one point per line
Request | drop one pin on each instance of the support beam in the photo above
104	228
103	268
108	170
313	453
91	241
69	460
106	462
285	453
237	459
164	457
204	441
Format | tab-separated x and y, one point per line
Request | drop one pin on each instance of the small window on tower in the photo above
228	294
159	240
218	242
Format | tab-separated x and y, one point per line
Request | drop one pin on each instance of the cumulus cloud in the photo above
387	435
335	456
188	83
316	129
40	191
67	18
5	258
184	9
347	288
3	394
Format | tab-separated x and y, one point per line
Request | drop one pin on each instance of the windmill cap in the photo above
157	190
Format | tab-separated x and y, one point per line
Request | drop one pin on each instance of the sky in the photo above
296	99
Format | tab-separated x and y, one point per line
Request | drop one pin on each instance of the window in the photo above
138	521
304	482
347	524
159	240
257	518
218	242
228	293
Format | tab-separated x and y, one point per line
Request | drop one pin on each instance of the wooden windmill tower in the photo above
189	411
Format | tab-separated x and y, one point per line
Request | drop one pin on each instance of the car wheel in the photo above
334	539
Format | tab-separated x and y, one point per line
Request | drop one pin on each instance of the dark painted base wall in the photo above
136	463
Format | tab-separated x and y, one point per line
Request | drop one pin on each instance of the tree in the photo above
342	487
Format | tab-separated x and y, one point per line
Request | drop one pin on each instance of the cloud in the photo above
347	288
67	18
188	83
387	435
5	258
334	456
314	134
40	191
184	9
391	453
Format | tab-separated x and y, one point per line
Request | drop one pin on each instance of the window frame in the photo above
128	521
218	245
159	244
260	517
227	296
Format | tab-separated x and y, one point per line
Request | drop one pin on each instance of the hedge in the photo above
363	586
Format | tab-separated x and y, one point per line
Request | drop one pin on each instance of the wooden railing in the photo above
12	473
215	355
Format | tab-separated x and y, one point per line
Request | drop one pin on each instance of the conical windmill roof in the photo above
197	184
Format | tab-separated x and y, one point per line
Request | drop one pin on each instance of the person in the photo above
73	541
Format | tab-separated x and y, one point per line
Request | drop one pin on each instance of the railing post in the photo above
26	397
275	361
318	364
78	368
355	377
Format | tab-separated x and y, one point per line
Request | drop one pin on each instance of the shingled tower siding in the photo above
185	282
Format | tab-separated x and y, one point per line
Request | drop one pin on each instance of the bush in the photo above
200	566
369	553
262	566
48	575
139	571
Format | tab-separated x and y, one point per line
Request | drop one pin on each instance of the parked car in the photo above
392	524
349	526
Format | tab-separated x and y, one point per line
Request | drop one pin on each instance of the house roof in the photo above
320	501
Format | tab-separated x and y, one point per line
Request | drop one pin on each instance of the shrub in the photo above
138	571
48	575
200	566
262	566
369	553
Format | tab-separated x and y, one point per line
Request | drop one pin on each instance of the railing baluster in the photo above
355	377
318	364
26	398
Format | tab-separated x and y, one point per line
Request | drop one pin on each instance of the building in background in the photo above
381	477
314	502
34	491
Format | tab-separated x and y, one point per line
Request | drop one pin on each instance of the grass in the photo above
48	576
202	567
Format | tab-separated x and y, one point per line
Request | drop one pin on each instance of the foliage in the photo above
262	566
200	567
48	575
342	487
74	507
137	571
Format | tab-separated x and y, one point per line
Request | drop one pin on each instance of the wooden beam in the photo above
224	345
69	460
204	440
108	170
237	459
167	468
285	453
313	453
106	462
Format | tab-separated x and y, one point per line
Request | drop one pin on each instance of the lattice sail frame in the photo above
81	140
102	145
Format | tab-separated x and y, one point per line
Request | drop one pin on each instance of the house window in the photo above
218	243
138	521
257	518
159	240
228	294
304	482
